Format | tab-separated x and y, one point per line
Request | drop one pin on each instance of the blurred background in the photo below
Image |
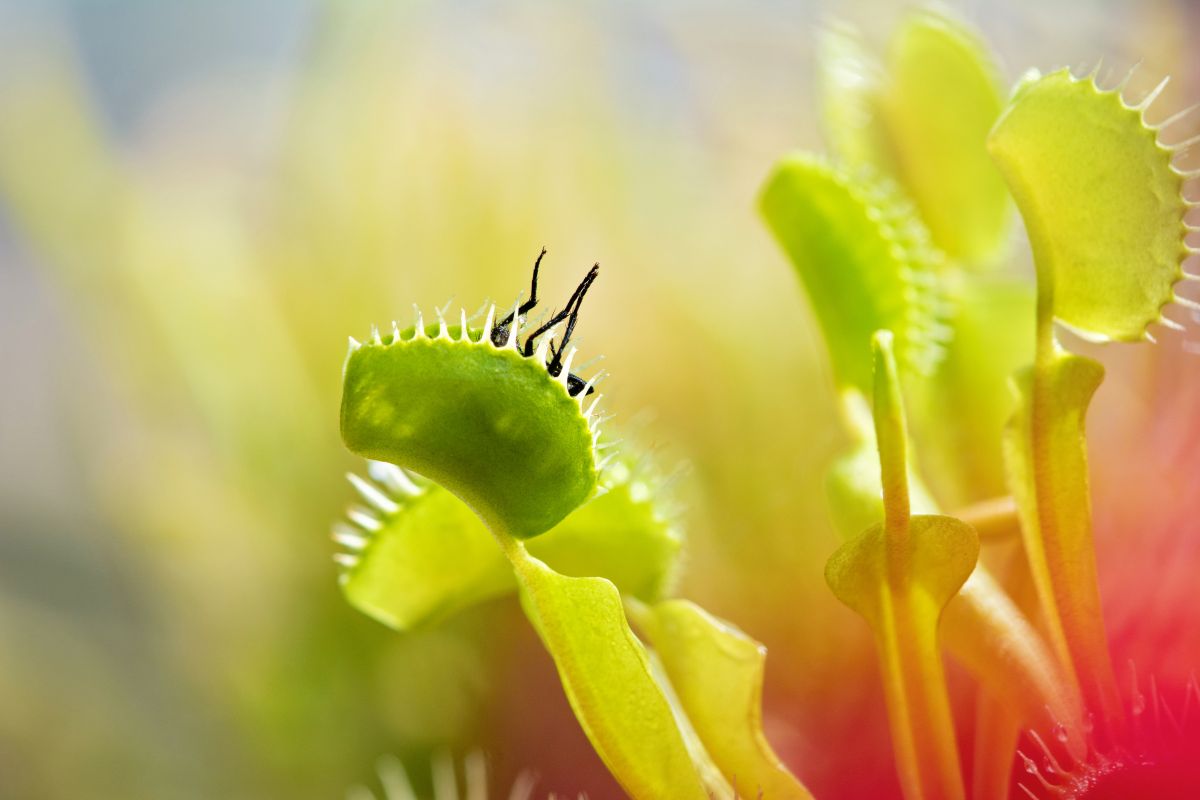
199	201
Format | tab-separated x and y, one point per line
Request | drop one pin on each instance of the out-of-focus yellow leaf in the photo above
942	97
717	673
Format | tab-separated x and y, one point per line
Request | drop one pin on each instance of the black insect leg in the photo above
500	330
556	361
570	312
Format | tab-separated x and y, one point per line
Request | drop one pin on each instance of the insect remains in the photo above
570	313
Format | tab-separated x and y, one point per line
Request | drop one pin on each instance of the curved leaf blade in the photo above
717	673
1046	450
606	675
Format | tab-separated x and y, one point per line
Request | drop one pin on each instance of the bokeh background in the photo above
199	201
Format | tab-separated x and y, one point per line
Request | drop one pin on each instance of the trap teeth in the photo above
1186	143
1120	87
392	478
516	323
345	560
565	373
592	407
1152	95
372	495
1176	117
487	324
364	520
603	418
1167	322
353	541
584	391
544	346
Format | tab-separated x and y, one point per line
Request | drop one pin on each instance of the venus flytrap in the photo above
1104	207
1109	253
982	627
949	308
824	213
868	264
507	443
469	411
433	398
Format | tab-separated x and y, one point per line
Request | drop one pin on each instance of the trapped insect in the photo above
570	312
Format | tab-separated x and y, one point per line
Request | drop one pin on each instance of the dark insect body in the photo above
570	313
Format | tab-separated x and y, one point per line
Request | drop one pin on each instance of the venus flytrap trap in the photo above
469	410
417	554
506	443
434	398
918	119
